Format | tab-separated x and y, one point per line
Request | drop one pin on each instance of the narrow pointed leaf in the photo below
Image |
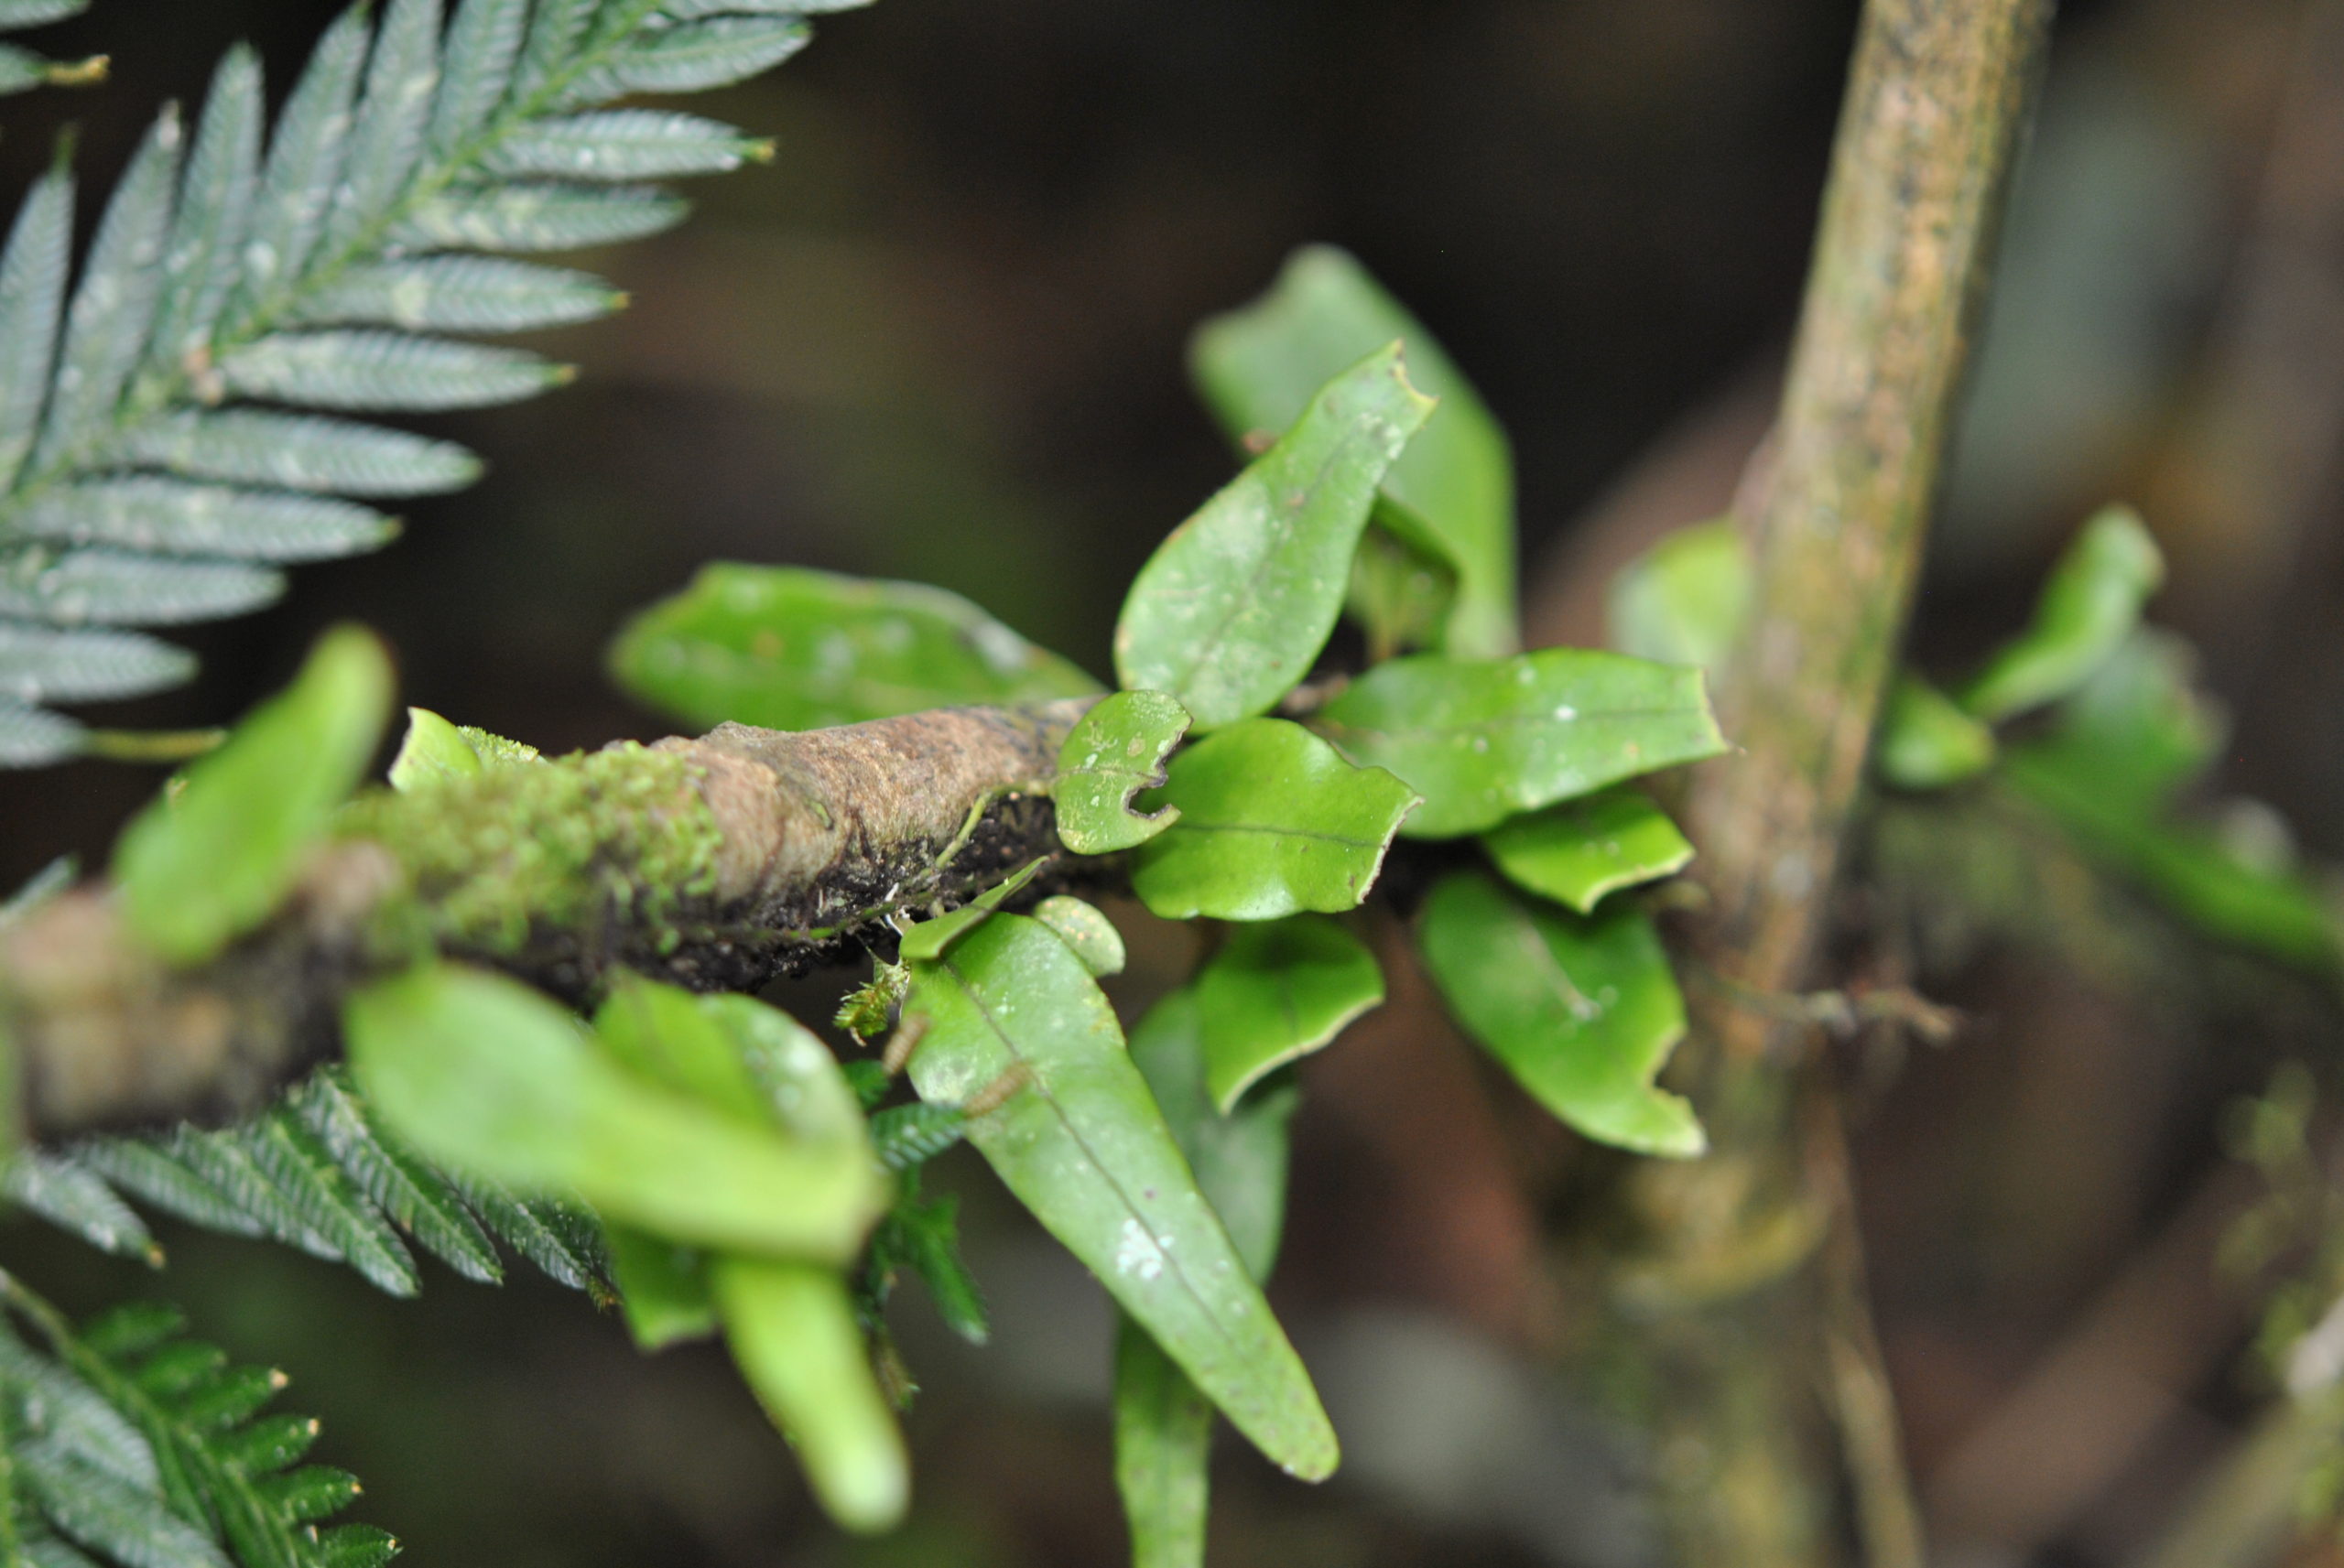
460	294
1258	366
203	261
929	938
2089	607
524	1229
483	44
1083	1146
692	56
226	1162
33	737
1482	741
792	1330
300	452
386	135
169	517
1272	821
155	1178
113	305
32	307
792	649
201	868
415	1198
1578	852
1113	752
2141	731
1581	1010
544	1111
38	665
556	27
540	215
1926	741
359	370
330	1199
625	143
109	1515
77	1200
305	158
19	14
72	587
1231	611
1683	600
1277	992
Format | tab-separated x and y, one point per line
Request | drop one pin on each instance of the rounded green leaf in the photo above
1577	852
793	649
434	752
1683	600
1113	753
1581	1010
1274	821
208	862
1080	1143
1276	992
1258	366
1080	927
1926	741
482	1073
2089	605
1230	612
1484	741
794	1336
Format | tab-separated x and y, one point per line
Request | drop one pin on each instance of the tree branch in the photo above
715	863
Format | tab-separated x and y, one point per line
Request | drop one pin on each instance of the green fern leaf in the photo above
201	263
462	294
330	1200
300	452
628	143
304	161
16	15
71	587
68	1412
113	306
78	1201
356	369
355	1546
414	1197
169	517
156	1179
540	216
387	137
483	44
691	57
38	665
32	303
523	1227
556	30
107	1514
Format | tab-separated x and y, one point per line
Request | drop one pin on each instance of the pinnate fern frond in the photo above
22	69
126	1443
316	1172
173	423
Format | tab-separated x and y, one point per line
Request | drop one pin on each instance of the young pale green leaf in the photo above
38	665
298	451
1272	821
1082	1143
1577	852
1277	992
113	305
663	1289
545	1111
1482	741
32	305
434	752
754	1062
2089	605
1257	367
929	938
71	586
201	868
793	1334
459	294
540	215
1113	752
1230	612
1581	1010
627	143
356	369
792	649
1162	1423
1080	927
1683	600
214	214
1927	740
171	517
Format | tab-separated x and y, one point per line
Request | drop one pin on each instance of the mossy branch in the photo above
715	863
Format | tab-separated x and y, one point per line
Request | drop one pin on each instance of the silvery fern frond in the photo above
21	70
174	428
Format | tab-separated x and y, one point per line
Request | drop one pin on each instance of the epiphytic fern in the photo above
148	1450
316	1171
161	454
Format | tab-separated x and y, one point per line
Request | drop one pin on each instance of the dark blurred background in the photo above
941	337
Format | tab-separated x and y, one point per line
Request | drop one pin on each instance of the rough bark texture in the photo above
1749	1321
716	863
